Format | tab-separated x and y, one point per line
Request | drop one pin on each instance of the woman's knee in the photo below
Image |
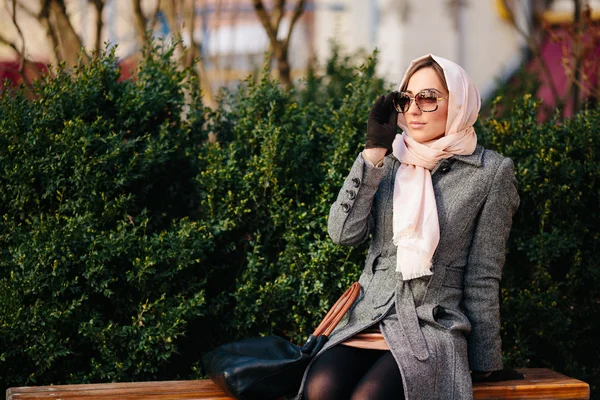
322	385
328	385
378	391
334	374
383	381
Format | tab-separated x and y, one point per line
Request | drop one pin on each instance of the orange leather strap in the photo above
337	312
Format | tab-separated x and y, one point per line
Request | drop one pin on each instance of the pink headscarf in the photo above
416	226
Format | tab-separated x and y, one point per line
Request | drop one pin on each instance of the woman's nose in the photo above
413	108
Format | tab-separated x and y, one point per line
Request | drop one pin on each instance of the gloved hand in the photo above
496	376
382	124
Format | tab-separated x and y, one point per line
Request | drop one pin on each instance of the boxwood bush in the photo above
140	229
551	285
101	242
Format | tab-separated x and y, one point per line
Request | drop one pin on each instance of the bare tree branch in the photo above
581	66
20	52
189	21
23	62
535	49
70	41
27	10
277	15
295	17
44	18
193	54
99	6
579	27
10	43
271	24
153	18
170	9
265	20
139	21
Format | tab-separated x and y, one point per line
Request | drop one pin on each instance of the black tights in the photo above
344	372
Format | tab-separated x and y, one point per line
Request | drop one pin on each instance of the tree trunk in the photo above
535	48
577	55
44	19
285	73
271	24
99	6
283	65
70	43
139	21
192	53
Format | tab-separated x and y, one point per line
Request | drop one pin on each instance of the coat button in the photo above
345	207
351	194
445	169
356	182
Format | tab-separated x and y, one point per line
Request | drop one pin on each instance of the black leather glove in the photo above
382	125
496	376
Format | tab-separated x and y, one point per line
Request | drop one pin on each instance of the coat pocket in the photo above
444	318
452	320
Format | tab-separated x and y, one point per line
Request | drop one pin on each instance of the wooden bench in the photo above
539	383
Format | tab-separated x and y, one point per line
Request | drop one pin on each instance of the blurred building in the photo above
476	34
472	33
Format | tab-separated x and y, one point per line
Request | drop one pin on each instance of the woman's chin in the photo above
424	137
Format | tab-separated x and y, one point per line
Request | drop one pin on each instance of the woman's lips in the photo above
416	124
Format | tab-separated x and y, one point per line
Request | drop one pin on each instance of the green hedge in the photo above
140	229
132	241
551	287
102	251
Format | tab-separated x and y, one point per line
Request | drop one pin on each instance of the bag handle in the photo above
337	312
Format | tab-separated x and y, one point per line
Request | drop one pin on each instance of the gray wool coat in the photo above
439	326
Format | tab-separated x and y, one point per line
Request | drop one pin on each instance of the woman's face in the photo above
426	126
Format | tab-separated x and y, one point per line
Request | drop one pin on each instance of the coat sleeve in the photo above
484	270
350	219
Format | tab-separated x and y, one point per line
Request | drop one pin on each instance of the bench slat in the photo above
201	389
539	384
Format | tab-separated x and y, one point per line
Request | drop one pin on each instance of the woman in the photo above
439	209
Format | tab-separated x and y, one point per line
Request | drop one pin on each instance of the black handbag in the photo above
271	367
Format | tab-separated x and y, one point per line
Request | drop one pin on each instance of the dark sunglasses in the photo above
426	100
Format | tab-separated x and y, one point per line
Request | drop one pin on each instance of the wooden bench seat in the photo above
539	383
